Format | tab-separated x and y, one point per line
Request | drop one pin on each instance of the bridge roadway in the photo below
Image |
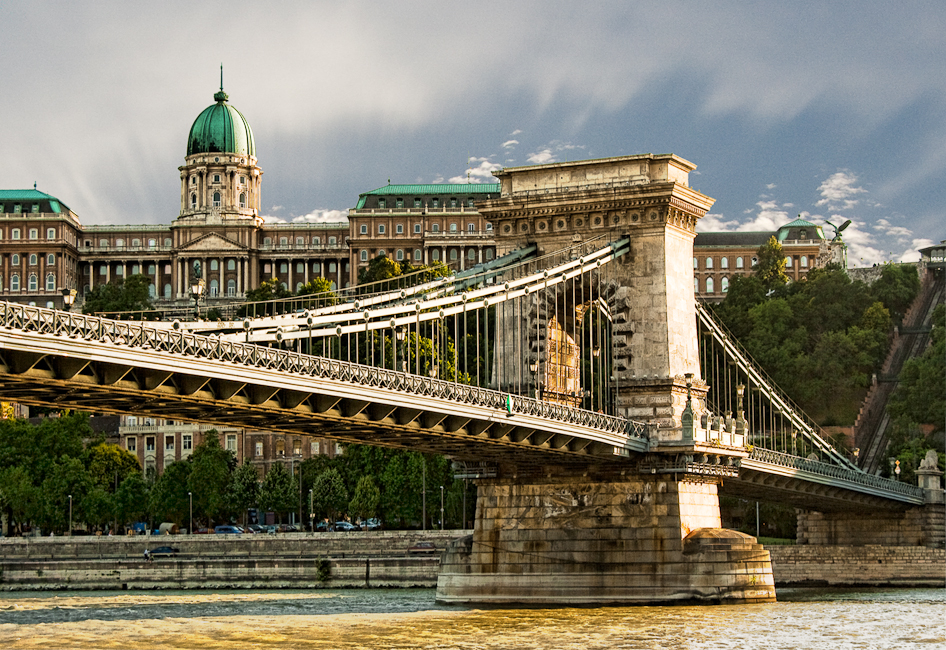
55	358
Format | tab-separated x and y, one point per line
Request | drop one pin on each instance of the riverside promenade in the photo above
370	559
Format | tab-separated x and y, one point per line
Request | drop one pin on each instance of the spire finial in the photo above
221	96
221	77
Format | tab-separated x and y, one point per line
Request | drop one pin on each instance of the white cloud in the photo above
508	144
323	216
482	173
838	189
516	132
542	157
771	186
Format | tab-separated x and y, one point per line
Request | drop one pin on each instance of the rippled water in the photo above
411	619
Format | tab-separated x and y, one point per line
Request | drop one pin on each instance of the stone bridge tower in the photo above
646	197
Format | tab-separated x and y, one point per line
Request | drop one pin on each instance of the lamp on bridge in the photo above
190	499
70	509
197	288
400	334
896	470
68	298
534	370
434	370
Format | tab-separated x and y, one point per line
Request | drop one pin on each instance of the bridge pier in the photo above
573	540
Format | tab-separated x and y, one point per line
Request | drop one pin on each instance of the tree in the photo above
268	290
168	499
897	287
131	499
770	268
110	465
209	480
18	496
131	295
68	477
364	504
329	496
244	489
279	492
380	268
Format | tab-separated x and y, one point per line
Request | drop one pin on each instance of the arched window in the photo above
696	285
33	284
193	201
709	262
489	254
453	254
285	287
15	259
214	287
167	291
381	253
231	288
34	233
738	262
216	199
709	285
231	265
151	290
50	282
267	241
284	267
50	259
119	243
755	260
399	255
696	263
724	285
298	287
214	265
50	233
417	254
242	199
364	255
435	255
15	282
804	261
471	255
724	262
788	262
34	259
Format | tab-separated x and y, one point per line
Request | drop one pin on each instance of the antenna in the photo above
221	77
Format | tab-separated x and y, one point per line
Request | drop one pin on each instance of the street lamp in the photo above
311	514
70	512
897	470
68	298
441	508
197	288
190	498
534	371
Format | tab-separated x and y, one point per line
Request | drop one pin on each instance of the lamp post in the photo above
197	288
441	508
534	370
190	499
311	514
68	298
400	334
896	470
70	511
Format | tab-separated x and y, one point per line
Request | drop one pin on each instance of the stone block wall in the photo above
919	526
858	566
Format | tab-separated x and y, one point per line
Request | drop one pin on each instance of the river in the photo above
410	618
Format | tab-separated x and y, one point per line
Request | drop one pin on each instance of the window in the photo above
231	288
435	227
788	262
152	243
15	233
364	229
35	208
724	285
382	204
34	259
696	263
416	228
453	203
435	202
399	229
151	291
15	259
214	265
696	285
135	243
453	227
167	243
149	443
489	227
453	254
193	201
284	267
399	255
471	255
216	199
169	443
418	203
297	447
151	269
316	267
470	227
193	180
364	256
17	208
214	288
267	241
283	241
50	259
131	444
380	228
469	202
187	442
231	265
709	285
119	243
435	255
332	241
331	267
119	270
298	287
803	234
709	262
103	270
50	282
417	254
738	262
399	203
755	260
804	261
216	178
259	448
242	199
280	447
724	263
33	282
300	241
50	233
15	282
316	241
242	180
381	253
300	267
167	290
489	254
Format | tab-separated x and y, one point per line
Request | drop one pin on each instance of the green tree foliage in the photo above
19	497
268	290
279	492
131	499
209	480
364	504
896	288
244	489
329	496
380	268
68	476
770	268
168	499
131	295
110	465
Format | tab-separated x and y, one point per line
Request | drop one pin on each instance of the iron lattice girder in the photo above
113	378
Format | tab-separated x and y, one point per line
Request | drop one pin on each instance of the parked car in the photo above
228	530
164	551
286	528
323	526
421	548
345	526
372	524
255	528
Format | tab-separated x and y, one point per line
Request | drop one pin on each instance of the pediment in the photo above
211	242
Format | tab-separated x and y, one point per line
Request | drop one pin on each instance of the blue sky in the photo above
830	110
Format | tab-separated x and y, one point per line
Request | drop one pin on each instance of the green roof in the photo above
431	189
55	205
221	128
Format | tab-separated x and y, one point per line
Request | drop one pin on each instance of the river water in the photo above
803	619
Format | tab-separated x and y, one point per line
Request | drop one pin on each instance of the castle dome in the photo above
221	128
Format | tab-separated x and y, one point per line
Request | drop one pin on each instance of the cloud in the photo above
516	132
542	157
482	173
837	191
550	153
323	216
508	144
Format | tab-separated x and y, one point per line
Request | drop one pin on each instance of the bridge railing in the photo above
834	471
92	328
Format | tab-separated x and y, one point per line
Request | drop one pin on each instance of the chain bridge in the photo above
599	408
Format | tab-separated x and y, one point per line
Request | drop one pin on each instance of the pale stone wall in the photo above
920	526
852	566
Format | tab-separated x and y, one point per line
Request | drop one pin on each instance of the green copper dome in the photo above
221	129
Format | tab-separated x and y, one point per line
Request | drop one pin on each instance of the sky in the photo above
828	110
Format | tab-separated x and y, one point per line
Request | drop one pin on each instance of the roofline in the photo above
683	162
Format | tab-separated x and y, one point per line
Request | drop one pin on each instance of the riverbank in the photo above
370	559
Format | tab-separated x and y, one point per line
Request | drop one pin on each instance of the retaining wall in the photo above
858	566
